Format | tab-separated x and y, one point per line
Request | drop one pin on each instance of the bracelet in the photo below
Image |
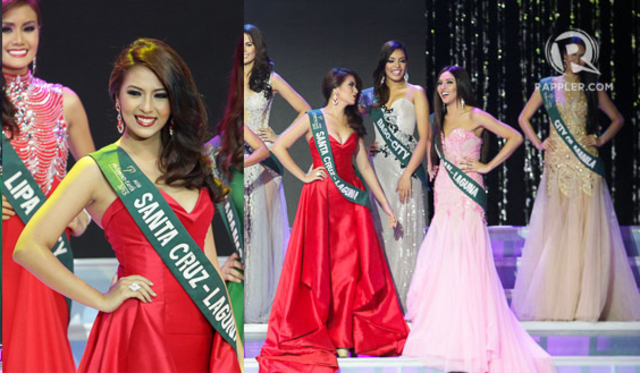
88	215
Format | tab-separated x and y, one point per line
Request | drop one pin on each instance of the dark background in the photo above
502	45
305	39
80	40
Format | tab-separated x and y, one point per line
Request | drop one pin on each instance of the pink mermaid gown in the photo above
460	317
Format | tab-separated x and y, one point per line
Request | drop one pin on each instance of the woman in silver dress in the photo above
266	225
397	108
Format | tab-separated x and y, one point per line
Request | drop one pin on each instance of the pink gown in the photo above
460	317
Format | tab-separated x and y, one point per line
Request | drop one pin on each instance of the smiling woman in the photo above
41	123
159	158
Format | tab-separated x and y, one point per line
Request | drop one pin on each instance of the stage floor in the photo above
578	347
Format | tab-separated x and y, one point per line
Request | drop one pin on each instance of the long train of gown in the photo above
574	265
401	244
335	290
460	317
266	224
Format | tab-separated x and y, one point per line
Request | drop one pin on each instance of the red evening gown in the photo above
169	334
34	317
335	290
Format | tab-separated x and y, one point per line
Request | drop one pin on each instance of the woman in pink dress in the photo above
461	321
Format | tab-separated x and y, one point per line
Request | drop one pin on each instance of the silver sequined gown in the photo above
266	225
402	243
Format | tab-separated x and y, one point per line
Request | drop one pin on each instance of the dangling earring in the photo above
120	121
171	128
33	68
335	97
382	80
406	77
462	103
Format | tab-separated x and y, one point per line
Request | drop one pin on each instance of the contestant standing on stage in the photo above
160	157
335	293
42	122
460	317
574	238
397	108
266	222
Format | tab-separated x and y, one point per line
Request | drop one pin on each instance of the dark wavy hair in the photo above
262	65
7	5
8	112
588	78
380	90
182	160
231	154
8	109
333	79
464	92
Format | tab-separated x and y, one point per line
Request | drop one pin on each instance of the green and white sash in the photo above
399	150
270	162
25	196
171	240
228	212
592	162
466	184
321	138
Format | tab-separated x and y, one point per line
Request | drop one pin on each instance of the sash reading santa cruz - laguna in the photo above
25	196
321	138
591	162
401	152
466	184
169	238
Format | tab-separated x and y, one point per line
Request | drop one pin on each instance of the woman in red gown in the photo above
147	323
43	122
335	293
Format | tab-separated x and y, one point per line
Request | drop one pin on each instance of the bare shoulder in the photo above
70	98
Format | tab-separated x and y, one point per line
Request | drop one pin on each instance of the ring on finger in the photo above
134	286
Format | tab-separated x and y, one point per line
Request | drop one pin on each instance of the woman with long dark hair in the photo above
574	238
41	123
152	192
397	109
461	321
335	293
266	222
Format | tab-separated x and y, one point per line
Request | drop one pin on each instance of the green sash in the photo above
271	162
233	224
593	163
321	138
401	152
466	184
25	196
173	243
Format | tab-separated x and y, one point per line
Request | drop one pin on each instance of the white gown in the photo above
401	244
266	225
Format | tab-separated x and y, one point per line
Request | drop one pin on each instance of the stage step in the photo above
618	364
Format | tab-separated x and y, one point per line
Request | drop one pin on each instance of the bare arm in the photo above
260	152
617	121
534	103
32	251
298	129
212	255
362	162
80	141
489	123
422	120
292	97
